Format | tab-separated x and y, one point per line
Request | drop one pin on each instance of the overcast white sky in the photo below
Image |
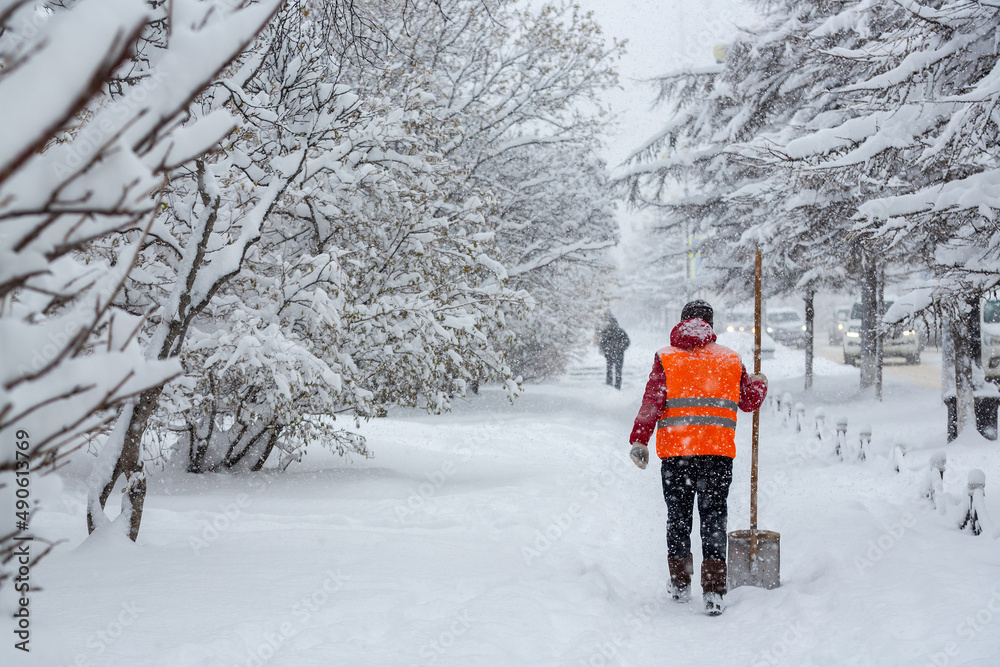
663	36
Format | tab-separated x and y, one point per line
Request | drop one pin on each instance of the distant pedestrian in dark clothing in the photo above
613	342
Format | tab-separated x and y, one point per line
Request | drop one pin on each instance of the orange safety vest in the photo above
703	394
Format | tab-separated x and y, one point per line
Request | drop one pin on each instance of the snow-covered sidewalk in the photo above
522	535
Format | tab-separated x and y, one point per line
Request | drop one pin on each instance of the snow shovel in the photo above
754	555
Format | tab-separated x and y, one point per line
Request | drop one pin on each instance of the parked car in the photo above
742	343
737	320
841	315
989	326
738	334
898	342
786	326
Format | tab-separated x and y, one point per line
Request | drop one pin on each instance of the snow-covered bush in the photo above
514	108
348	248
82	168
369	286
377	282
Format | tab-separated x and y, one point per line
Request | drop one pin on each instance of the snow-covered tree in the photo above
745	158
930	116
78	168
690	172
515	90
389	280
805	211
330	274
345	252
215	213
369	290
881	123
880	108
720	167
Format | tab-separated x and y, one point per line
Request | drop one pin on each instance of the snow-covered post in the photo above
786	408
864	441
976	517
800	416
819	424
898	456
938	463
934	481
841	437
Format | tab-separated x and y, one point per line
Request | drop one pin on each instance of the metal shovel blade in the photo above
754	559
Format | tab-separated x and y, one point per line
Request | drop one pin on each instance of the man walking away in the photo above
613	342
690	401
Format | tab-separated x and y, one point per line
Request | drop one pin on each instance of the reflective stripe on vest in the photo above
693	420
702	402
703	391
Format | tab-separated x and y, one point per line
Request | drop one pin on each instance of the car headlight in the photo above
770	330
853	334
910	333
730	328
840	326
803	327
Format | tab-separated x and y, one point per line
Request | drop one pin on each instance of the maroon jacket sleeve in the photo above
752	394
654	400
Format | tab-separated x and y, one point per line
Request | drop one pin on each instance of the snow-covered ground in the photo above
522	535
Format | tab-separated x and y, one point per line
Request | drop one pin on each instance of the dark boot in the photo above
680	577
713	585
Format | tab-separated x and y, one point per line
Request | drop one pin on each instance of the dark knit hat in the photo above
698	309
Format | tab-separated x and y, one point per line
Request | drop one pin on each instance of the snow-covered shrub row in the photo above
372	235
82	168
404	183
419	221
513	107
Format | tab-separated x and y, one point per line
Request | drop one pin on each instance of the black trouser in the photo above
615	363
709	477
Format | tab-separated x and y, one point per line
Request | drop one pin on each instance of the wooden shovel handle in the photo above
757	271
756	415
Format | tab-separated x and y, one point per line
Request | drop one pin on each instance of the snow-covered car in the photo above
742	343
989	326
737	333
838	325
786	326
737	320
900	341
